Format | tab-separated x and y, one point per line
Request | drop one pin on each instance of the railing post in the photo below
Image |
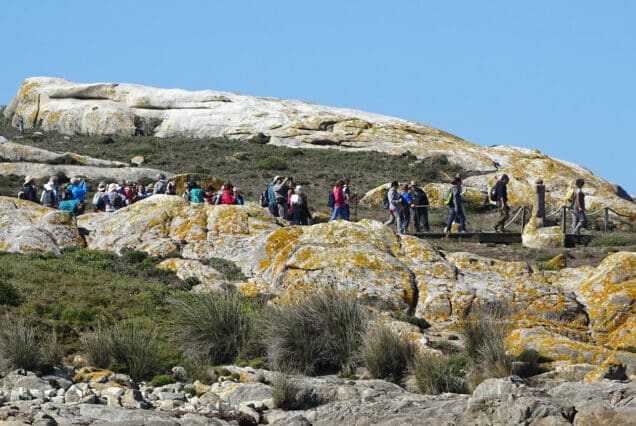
565	215
606	220
523	217
540	202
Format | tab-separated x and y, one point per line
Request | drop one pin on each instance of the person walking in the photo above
419	205
300	214
339	208
455	206
350	196
501	192
393	197
579	220
404	211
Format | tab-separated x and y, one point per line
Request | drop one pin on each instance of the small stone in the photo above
138	160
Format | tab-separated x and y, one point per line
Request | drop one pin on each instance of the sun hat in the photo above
48	186
101	186
28	179
112	187
75	180
299	188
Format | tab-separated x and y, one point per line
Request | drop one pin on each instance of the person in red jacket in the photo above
339	207
227	196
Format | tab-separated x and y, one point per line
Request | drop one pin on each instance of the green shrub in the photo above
51	352
484	332
136	347
285	392
386	355
19	347
322	332
216	326
8	294
97	346
612	240
528	363
161	380
81	315
546	266
227	268
439	374
271	163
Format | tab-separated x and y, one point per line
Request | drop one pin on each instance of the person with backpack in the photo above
196	193
404	210
271	197
454	203
300	214
54	182
209	195
76	207
227	196
47	199
392	202
577	209
499	194
350	196
238	196
419	205
29	191
99	202
114	199
280	189
339	208
161	185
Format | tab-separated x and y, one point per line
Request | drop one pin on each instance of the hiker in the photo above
419	205
238	197
114	199
280	189
300	214
76	207
227	196
78	188
141	193
404	209
393	198
47	199
500	195
171	188
339	207
20	125
349	195
29	191
161	185
577	210
99	202
53	181
209	195
454	202
272	205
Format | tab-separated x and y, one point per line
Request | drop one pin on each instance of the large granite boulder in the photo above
121	109
27	227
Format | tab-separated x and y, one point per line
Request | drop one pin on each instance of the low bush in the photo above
484	331
386	355
322	332
136	347
271	163
8	294
438	374
546	266
285	392
97	346
161	380
613	240
20	346
216	326
528	363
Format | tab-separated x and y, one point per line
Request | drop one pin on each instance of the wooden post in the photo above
523	218
540	202
606	226
565	215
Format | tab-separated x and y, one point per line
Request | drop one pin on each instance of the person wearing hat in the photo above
300	214
114	199
29	190
160	185
99	201
47	199
238	196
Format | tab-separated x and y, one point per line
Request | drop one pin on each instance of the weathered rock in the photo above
28	227
542	237
107	108
138	160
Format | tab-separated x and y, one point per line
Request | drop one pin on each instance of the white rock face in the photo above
119	109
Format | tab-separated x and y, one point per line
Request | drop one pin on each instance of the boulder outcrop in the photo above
53	104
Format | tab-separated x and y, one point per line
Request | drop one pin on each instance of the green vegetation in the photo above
386	355
24	346
546	266
439	374
613	240
162	380
217	327
285	392
321	333
271	163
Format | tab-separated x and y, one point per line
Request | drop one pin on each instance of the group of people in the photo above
285	200
401	201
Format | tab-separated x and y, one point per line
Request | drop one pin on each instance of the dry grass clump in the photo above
386	355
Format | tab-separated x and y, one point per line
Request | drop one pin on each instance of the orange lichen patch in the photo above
254	287
90	374
417	250
229	220
190	224
623	336
559	261
27	90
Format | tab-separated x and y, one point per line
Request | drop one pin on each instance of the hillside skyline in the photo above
543	76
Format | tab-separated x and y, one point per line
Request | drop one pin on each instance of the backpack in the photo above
160	187
22	195
569	197
331	200
98	201
271	196
385	200
265	197
48	198
196	195
494	194
449	198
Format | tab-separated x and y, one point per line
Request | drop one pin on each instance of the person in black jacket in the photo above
502	202
419	205
29	190
300	214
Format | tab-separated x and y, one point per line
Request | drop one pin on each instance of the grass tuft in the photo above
438	374
386	355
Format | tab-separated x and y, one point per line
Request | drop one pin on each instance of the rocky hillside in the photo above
53	104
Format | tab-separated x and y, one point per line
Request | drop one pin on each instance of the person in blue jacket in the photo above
78	188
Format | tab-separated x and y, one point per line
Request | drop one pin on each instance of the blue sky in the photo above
558	76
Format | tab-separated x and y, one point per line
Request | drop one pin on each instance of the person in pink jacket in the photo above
339	208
